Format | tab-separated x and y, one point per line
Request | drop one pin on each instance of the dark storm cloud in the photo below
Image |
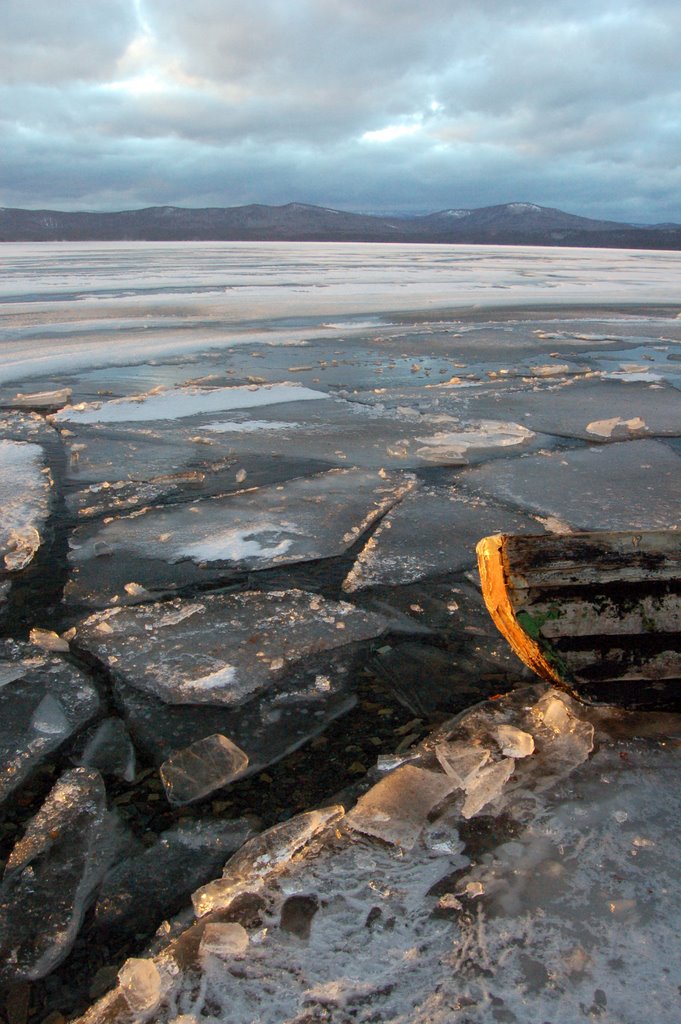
381	105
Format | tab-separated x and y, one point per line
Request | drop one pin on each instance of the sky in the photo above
374	106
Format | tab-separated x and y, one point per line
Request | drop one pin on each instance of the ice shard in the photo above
51	875
396	808
44	701
206	765
110	750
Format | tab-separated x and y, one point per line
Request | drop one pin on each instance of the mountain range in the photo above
508	224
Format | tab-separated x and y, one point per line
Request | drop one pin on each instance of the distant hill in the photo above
509	224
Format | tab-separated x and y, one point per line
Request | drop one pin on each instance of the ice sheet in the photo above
126	296
432	532
568	410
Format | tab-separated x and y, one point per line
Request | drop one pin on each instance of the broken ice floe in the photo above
51	875
629	485
44	701
266	670
303	520
354	433
24	502
468	917
178	403
223	648
432	532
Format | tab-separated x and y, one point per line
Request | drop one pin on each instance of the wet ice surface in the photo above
270	468
549	898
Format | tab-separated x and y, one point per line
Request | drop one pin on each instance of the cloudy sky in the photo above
366	105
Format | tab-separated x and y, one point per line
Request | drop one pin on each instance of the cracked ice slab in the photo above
266	670
502	881
24	502
302	520
44	701
177	403
568	410
223	648
433	531
622	486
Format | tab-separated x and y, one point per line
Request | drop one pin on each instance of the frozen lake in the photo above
240	491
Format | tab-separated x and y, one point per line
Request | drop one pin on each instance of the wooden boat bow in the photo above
598	613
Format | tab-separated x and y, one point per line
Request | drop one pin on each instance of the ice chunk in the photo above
514	742
43	401
24	502
461	760
110	750
224	940
49	717
225	648
265	854
566	739
617	428
206	765
396	808
177	403
452	447
51	874
48	640
485	786
140	983
43	702
314	517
